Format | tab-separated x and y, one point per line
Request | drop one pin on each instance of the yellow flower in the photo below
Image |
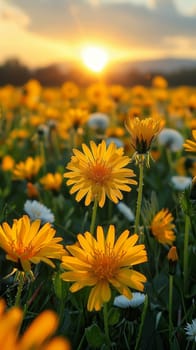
143	133
33	86
7	163
19	134
32	190
116	92
172	254
186	166
102	262
99	172
115	131
27	169
9	324
159	82
96	93
35	337
26	242
162	227
69	90
189	145
172	257
192	102
76	117
52	181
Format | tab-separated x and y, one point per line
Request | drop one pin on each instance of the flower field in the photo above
98	217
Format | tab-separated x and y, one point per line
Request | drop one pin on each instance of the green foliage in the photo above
95	337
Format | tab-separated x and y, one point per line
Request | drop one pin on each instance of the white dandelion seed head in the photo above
126	211
37	210
123	302
180	183
43	130
190	330
119	143
171	139
98	120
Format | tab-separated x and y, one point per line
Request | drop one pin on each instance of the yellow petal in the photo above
43	326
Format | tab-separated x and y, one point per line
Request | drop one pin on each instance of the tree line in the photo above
14	72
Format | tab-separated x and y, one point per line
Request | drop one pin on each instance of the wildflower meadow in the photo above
98	217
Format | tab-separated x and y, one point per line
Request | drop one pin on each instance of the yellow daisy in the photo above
172	254
35	337
77	117
159	82
27	169
99	172
162	227
26	242
143	133
52	181
102	262
7	163
189	145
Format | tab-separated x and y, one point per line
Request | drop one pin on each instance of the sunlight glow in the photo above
94	58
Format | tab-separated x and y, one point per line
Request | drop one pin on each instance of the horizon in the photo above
161	64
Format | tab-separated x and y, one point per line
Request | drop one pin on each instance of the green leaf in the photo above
94	336
113	316
149	209
60	287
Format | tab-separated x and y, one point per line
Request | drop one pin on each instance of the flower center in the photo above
21	251
105	265
99	173
142	146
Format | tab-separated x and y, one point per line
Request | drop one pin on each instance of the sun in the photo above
94	58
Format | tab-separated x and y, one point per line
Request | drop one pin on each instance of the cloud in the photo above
13	14
122	24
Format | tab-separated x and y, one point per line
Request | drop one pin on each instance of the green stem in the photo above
106	327
139	197
19	289
138	340
43	157
169	159
81	342
54	143
186	243
110	208
170	309
157	256
73	137
93	219
193	345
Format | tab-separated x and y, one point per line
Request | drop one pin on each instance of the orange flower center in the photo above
21	251
99	173
105	265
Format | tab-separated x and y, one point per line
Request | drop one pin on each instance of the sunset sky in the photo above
41	32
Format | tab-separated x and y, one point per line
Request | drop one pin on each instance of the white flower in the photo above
190	330
126	211
180	183
171	138
115	140
98	121
43	132
36	210
123	302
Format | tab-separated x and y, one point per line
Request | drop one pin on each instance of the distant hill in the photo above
176	71
162	65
